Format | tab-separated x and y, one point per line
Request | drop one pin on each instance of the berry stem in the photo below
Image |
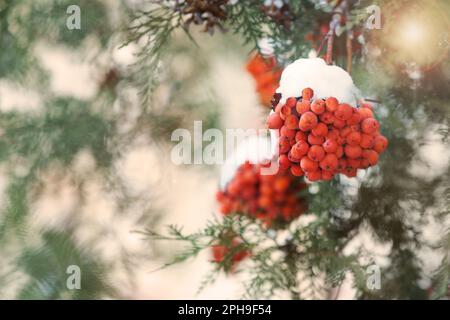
322	44
333	23
372	100
329	56
349	43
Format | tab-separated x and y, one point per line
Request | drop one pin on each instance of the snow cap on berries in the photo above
325	80
254	149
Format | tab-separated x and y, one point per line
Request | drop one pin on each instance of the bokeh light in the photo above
416	34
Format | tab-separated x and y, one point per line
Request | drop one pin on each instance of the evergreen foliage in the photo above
393	203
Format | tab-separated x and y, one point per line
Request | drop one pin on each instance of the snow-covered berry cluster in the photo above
273	199
320	138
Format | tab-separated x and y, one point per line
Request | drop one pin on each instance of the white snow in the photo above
325	80
254	149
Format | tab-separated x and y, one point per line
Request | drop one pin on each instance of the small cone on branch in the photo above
210	13
279	12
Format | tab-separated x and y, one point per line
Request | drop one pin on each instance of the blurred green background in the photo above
85	153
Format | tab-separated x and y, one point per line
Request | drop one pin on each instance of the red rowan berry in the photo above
329	162
297	171
340	151
316	153
291	122
312	139
372	157
307	94
354	163
266	189
308	121
259	64
300	135
370	125
284	144
249	176
355	118
285	111
330	146
220	196
344	132
331	104
218	253
300	149
291	102
314	175
318	106
320	130
293	157
327	117
367	141
308	165
352	152
365	113
240	255
281	183
303	106
365	153
226	207
284	162
233	188
327	175
264	202
285	132
339	124
274	121
365	163
380	143
353	138
363	104
343	112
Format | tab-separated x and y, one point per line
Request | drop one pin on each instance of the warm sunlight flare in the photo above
413	34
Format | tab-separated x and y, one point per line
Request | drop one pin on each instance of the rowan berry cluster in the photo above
266	74
320	138
273	199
